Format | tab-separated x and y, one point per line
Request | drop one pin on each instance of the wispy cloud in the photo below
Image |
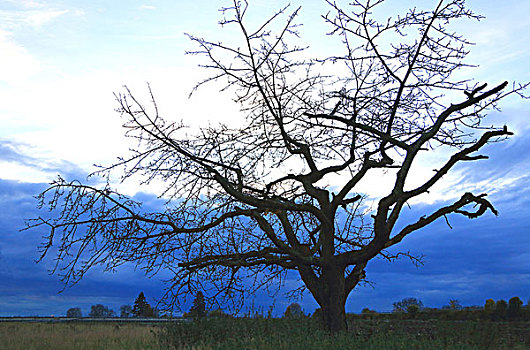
29	18
16	63
19	165
28	4
40	18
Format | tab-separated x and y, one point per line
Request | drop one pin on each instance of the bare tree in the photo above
247	203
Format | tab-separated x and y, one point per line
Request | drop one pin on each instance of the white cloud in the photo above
72	118
35	19
39	18
16	63
24	173
29	4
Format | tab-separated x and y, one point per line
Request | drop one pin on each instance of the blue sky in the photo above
61	61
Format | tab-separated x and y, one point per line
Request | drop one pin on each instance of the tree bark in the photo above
332	300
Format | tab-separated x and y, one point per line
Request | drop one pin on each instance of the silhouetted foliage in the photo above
141	307
367	311
454	304
74	312
406	303
413	308
100	310
198	309
218	313
283	189
489	306
294	310
514	308
126	311
501	306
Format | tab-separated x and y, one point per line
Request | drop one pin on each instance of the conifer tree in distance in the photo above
198	309
141	307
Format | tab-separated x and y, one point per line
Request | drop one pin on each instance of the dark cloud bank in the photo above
475	260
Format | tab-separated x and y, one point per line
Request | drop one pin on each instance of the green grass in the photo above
279	334
267	334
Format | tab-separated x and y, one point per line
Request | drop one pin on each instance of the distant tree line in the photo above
141	308
413	308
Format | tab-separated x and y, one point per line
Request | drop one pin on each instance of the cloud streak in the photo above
21	166
17	65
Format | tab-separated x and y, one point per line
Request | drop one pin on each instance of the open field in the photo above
273	334
78	336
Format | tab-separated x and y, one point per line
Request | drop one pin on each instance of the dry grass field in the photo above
78	336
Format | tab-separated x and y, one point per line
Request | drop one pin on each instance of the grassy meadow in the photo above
78	336
265	334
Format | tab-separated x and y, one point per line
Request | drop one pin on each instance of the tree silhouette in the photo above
501	306
198	309
126	311
284	191
489	306
294	310
100	310
74	312
514	307
141	307
454	304
403	305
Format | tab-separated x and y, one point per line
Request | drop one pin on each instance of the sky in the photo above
62	60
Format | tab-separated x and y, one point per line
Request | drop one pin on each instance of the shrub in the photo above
500	309
489	306
454	304
402	306
514	307
368	311
293	311
218	313
413	309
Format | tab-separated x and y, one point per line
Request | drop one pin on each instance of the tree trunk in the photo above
333	300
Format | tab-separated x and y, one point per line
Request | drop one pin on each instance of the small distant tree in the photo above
154	312
74	312
454	304
293	311
489	307
141	307
126	311
413	308
501	306
100	310
403	305
367	313
198	309
514	307
218	313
